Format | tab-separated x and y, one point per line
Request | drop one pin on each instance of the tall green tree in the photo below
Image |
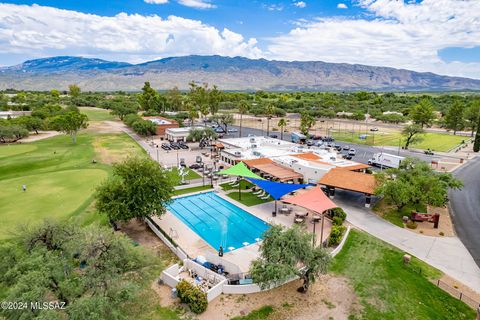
89	269
223	120
70	123
199	97
269	112
174	97
454	119
286	253
415	182
423	113
215	97
476	142
472	114
282	124
121	109
139	188
412	134
150	99
306	123
74	90
243	107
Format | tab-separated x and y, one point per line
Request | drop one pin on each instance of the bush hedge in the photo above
336	235
338	212
195	298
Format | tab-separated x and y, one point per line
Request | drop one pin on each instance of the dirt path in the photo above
40	136
330	297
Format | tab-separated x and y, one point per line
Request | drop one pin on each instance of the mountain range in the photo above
227	73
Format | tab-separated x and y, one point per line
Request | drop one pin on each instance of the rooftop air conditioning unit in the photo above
252	140
256	154
254	146
238	153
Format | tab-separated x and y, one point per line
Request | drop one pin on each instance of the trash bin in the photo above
174	293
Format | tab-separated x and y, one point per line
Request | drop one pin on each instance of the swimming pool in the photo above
217	221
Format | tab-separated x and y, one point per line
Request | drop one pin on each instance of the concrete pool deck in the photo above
194	245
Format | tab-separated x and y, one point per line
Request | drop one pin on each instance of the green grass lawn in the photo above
259	314
244	184
190	175
388	289
97	114
248	198
191	190
395	216
60	177
434	141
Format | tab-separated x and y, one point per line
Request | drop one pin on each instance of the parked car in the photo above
219	130
346	147
232	130
338	147
373	129
195	166
328	139
428	152
309	143
273	136
352	152
183	145
347	156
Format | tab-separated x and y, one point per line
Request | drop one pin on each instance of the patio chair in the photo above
265	197
258	191
261	194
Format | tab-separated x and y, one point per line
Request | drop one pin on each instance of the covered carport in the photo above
351	181
272	170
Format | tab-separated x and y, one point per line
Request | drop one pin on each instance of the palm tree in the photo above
269	111
282	124
243	108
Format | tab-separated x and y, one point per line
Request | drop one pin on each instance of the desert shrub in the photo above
337	221
411	224
336	235
338	212
182	287
130	119
195	298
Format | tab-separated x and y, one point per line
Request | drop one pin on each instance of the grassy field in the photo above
190	175
191	190
95	114
395	216
433	141
388	289
260	314
248	198
60	177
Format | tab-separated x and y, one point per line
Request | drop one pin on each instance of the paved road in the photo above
465	206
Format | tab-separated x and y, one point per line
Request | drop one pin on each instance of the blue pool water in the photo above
217	221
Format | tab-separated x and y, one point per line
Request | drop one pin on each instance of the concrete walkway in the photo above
447	254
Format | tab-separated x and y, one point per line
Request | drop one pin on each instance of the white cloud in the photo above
342	6
156	1
273	7
396	34
47	31
300	4
199	4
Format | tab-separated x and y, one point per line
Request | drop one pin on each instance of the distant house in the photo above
13	114
393	112
343	114
162	124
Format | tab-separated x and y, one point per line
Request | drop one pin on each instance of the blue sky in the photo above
441	36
